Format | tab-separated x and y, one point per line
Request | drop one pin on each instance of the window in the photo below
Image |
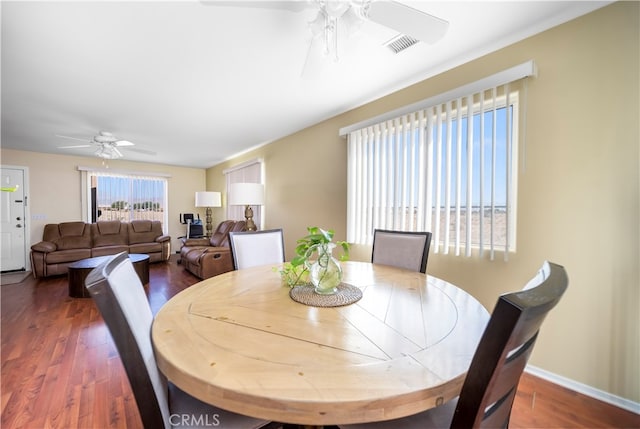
448	167
127	197
248	172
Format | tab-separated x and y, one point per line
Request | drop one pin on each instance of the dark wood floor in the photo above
60	368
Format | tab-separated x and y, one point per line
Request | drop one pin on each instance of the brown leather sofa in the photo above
67	242
208	257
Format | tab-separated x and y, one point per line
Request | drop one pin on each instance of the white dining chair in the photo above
402	249
492	380
120	298
253	248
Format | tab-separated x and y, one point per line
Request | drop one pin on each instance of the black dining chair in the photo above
253	248
503	351
120	298
403	249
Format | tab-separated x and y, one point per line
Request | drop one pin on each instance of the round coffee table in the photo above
78	272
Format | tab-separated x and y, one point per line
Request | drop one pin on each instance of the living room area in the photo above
578	192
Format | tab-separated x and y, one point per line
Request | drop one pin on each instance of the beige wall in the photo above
578	184
55	188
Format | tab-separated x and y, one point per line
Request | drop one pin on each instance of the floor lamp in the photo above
247	194
208	200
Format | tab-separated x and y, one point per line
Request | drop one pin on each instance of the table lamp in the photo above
247	194
208	200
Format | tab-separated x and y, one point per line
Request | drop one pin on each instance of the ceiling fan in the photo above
335	17
107	145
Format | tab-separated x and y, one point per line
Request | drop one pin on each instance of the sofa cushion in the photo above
141	225
70	255
144	231
68	235
107	227
109	250
109	233
145	248
72	228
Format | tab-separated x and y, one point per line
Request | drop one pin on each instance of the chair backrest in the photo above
252	248
220	234
120	298
503	351
403	249
240	225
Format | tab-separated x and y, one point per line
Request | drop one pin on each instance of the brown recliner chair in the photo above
208	257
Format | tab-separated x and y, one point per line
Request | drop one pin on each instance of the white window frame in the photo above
419	118
86	173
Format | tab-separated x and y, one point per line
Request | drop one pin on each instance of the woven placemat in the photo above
345	295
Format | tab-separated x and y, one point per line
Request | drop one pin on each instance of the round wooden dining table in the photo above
240	342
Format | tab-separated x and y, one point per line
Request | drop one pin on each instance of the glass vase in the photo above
325	272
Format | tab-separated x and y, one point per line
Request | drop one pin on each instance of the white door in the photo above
12	225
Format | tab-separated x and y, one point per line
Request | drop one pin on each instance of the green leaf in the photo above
298	260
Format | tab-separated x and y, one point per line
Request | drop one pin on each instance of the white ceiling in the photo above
198	83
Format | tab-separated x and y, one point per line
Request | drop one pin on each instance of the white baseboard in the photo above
601	395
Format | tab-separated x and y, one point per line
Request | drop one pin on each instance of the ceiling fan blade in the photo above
407	20
121	143
73	138
291	6
144	151
74	146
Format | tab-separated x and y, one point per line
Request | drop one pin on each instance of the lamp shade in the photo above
246	194
208	199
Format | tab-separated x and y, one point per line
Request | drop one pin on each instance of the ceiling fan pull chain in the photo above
364	8
327	29
335	39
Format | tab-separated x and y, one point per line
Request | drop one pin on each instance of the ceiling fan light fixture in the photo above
332	14
108	151
105	137
352	20
336	8
317	26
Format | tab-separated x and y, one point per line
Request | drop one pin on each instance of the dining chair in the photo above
253	248
503	351
402	249
120	298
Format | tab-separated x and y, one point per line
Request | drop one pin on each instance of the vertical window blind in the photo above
448	168
128	197
248	172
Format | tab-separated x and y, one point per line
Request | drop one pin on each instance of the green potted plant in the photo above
318	242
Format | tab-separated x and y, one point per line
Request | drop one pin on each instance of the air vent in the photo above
400	43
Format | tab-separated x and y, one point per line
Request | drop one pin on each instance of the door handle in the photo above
18	226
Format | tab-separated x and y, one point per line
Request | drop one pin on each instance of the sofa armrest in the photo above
44	247
163	238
